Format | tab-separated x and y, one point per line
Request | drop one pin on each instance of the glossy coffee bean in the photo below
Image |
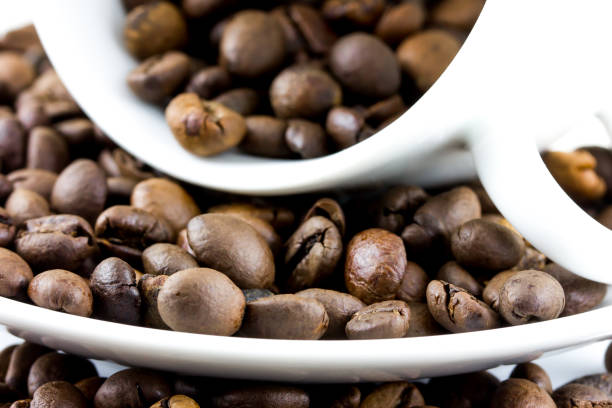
12	143
15	275
464	390
452	272
531	296
413	284
457	310
384	320
358	12
209	82
204	128
7	228
265	136
58	367
311	28
399	21
157	77
375	265
58	393
22	359
132	388
422	322
23	205
492	290
285	317
533	373
385	110
89	387
394	394
580	294
166	259
114	287
305	138
571	394
55	242
232	246
176	401
39	181
575	172
244	101
457	14
344	125
149	287
201	300
397	206
340	308
280	218
63	291
278	396
515	393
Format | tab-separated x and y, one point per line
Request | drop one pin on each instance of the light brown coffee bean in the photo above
63	291
15	275
23	205
340	308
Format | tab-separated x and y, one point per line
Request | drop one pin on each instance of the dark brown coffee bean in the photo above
491	292
413	284
176	401
312	28
16	74
80	190
532	259
452	272
340	308
375	265
7	228
517	392
265	137
384	320
252	396
22	359
602	382
570	395
12	143
399	21
358	12
425	55
304	91
157	77
201	8
252	44
209	82
154	28
5	359
165	199
531	296
457	310
76	131
295	44
47	150
58	367
119	190
201	300
330	209
385	110
306	138
241	100
119	163
55	242
580	294
114	287
23	205
15	275
280	218
166	259
39	181
25	403
63	291
533	373
422	322
285	317
344	125
465	390
397	206
457	14
149	287
89	387
232	246
392	395
132	388
575	173
204	128
56	394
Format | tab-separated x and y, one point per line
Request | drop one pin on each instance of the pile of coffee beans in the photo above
33	376
289	79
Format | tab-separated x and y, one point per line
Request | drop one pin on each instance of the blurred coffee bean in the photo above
157	77
533	373
23	205
47	150
132	388
517	392
58	367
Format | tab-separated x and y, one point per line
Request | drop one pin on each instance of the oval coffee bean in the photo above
166	259
47	150
232	246
457	310
201	300
23	205
132	388
89	387
22	359
344	126
394	394
330	209
63	291
531	296
375	265
399	21
570	395
37	180
458	14
15	275
273	395
413	284
59	367
241	100
397	206
533	373
265	136
306	138
580	294
156	78
519	393
17	74
491	292
384	320
340	308
354	12
209	82
58	393
602	382
12	143
279	218
285	317
452	272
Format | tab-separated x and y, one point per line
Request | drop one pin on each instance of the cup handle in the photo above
524	191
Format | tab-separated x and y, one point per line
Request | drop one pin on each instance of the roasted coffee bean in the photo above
279	218
15	275
285	317
157	77
394	394
6	188
165	199
58	367
457	310
244	101
340	308
580	294
166	259
457	14
533	373
357	58
312	253
204	128
21	38
5	359
80	190
309	23
517	392
330	209
183	242
252	44
154	28
304	91
452	272
397	206
202	8
55	242
232	246
23	205
264	395
602	382
176	401
63	291
344	125
492	290
358	12
25	403
381	112
532	259
305	138
466	390
58	393
119	163
576	174
375	265
119	190
76	131
413	284
89	387
384	320
47	150
603	158
12	143
132	388
425	55
264	229
570	395
254	294
39	181
399	21
201	300
265	136
16	74
209	82
7	228
114	287
22	359
149	287
422	322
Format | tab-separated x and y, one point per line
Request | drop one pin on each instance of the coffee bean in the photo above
119	190
132	388
452	272
384	320
149	287
399	21
531	296
154	28
386	110
183	242
425	55
285	317
157	77
264	229
201	300
340	308
252	44
166	259
6	188
413	284
277	396
63	291
603	158
457	310
492	290
575	172
359	12
176	401
344	125
15	275
375	265
23	205
532	259
394	394
39	181
422	322
265	137
397	206
330	209
58	393
602	382
202	8
209	82
12	143
533	373
580	294
55	242
279	218
58	367
304	91
22	359
232	246
114	287
305	138
204	128
465	390
16	74
119	163
457	14
517	392
5	359
570	395
76	131
357	58
47	150
312	28
254	294
25	403
244	101
7	228
89	387
334	396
